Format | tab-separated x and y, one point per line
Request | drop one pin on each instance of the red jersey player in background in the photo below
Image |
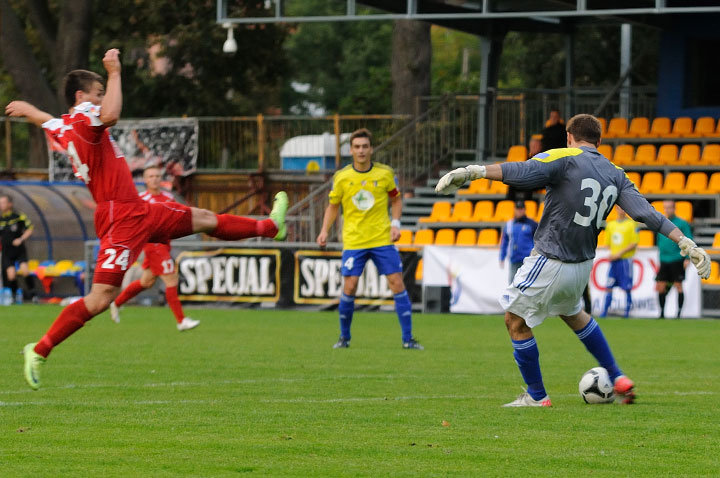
124	223
158	262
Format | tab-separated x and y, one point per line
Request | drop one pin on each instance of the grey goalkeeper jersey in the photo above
582	188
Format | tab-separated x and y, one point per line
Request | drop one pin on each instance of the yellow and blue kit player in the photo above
622	238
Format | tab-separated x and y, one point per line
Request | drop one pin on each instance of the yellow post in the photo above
336	123
261	142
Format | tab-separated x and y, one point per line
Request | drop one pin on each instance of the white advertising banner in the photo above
476	282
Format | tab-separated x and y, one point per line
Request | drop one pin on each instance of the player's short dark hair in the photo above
585	127
7	196
361	133
79	80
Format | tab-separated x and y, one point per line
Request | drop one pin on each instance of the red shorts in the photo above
124	227
158	259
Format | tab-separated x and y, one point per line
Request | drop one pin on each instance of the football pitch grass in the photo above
262	392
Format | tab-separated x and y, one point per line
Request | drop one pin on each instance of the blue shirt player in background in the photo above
517	237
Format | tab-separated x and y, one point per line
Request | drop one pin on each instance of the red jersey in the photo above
164	196
94	156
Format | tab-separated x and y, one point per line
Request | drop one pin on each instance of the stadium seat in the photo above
634	177
517	153
623	154
667	154
445	237
684	210
646	238
711	154
405	238
440	212
704	127
605	150
645	154
530	209
33	264
419	271
424	237
602	238
697	183
616	128
638	126
498	187
714	274
484	211
612	215
541	208
603	124
651	183
466	237
660	127
689	154
658	205
504	211
674	183
488	237
477	186
462	212
683	126
716	241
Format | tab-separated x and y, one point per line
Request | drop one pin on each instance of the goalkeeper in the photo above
582	187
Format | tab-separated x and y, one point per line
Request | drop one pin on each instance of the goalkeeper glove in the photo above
697	255
453	180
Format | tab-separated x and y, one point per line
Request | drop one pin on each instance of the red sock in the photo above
70	319
233	228
174	303
131	291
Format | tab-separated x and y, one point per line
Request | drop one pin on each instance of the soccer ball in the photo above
596	387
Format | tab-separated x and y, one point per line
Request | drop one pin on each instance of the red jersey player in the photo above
158	262
123	222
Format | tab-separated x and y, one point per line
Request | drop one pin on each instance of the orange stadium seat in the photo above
541	208
623	154
613	215
689	154
602	239
498	187
504	211
651	183
646	238
405	238
714	274
616	128
716	241
488	237
638	126
667	154
419	271
717	129
462	212
477	186
605	150
466	237
634	177
484	211
674	183
645	154
445	237
704	127
530	209
603	124
658	205
440	212
660	127
697	183
517	153
424	237
684	209
683	126
714	184
711	154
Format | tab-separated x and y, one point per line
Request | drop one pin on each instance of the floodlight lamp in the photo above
230	45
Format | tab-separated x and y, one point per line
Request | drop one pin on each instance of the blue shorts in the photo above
386	259
620	274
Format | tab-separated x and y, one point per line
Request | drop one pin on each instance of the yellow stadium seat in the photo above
33	264
617	127
445	237
667	154
517	153
613	215
462	211
63	266
605	150
651	183
714	274
659	207
697	183
674	183
405	238
704	127
424	237
477	186
714	184
498	187
541	208
530	209
711	154
504	211
638	126
646	238
660	127
645	154
716	241
488	237
689	154
484	211
682	127
684	210
466	237
623	154
603	124
634	177
440	212
419	271
602	239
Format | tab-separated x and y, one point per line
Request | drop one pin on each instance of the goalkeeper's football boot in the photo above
114	313
33	362
187	323
342	343
526	400
624	389
279	210
413	344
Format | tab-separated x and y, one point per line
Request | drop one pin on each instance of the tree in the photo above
411	57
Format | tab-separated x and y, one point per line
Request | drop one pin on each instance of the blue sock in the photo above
527	358
403	307
346	307
628	303
608	301
595	342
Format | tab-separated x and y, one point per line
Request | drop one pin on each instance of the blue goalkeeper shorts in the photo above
620	274
386	259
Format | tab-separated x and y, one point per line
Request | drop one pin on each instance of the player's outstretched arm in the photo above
689	249
112	102
23	109
456	178
330	215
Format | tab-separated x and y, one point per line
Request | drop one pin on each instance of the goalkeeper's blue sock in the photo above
608	301
628	303
346	307
527	358
595	342
403	308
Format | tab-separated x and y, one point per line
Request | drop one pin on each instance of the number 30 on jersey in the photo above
597	210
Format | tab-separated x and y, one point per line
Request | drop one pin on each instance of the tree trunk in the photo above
411	56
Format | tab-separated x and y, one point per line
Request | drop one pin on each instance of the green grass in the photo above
263	393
